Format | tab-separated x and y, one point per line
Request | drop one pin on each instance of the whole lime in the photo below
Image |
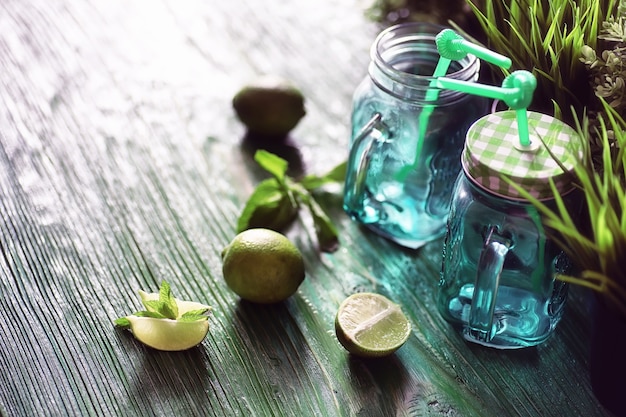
269	106
262	266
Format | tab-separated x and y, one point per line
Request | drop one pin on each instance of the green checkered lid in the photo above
493	151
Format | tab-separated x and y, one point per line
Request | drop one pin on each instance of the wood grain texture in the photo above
122	164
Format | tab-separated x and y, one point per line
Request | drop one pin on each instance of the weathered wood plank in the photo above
122	164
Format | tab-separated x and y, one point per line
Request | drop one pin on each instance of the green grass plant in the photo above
595	239
552	38
546	37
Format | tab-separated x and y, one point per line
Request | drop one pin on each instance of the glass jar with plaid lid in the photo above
498	278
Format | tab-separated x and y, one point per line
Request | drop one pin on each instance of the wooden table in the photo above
122	164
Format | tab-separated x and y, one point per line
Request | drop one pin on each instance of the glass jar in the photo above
402	165
498	278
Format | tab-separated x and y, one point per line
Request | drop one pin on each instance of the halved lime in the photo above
370	325
167	334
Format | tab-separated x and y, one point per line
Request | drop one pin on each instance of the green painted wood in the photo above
122	164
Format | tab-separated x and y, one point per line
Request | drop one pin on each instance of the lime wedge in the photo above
167	323
370	325
166	334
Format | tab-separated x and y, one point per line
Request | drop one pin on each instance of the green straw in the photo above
522	127
451	46
516	91
432	94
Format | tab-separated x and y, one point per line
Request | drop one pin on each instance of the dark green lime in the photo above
270	106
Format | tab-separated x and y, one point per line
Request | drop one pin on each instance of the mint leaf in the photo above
270	206
191	318
275	202
161	309
165	292
325	230
337	174
199	312
146	303
122	322
154	306
151	314
194	315
169	308
273	164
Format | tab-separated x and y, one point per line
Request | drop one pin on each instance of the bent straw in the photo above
516	91
454	46
451	46
432	94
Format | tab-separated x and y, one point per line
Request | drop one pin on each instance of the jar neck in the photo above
404	57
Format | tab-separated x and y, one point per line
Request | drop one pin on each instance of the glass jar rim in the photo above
404	38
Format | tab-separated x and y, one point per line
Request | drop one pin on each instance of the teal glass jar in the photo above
498	279
395	186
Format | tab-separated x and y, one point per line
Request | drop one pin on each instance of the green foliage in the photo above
167	303
553	38
194	315
608	70
166	307
595	240
122	322
273	204
276	201
546	37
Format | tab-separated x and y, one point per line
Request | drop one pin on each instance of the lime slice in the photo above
167	334
371	325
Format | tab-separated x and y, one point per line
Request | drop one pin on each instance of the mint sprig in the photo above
165	307
277	201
